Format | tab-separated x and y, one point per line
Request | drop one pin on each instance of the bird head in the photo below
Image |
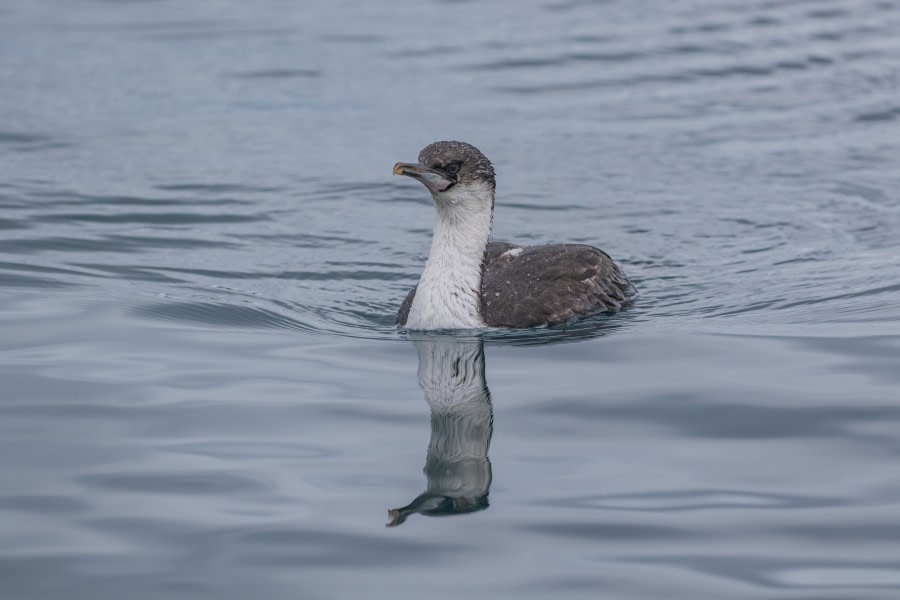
454	172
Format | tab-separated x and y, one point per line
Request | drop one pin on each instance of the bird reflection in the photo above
451	373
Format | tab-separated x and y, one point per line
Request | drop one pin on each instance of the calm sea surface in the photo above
202	393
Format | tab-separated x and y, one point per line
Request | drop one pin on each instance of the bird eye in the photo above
452	168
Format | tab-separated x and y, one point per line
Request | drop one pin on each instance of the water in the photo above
202	249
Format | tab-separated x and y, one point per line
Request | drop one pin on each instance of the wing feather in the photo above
551	284
403	313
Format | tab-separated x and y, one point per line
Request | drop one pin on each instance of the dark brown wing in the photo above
551	284
403	313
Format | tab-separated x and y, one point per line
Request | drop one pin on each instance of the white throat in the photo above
449	291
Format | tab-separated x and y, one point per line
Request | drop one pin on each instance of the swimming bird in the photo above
470	282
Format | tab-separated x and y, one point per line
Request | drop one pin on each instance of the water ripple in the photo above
278	74
51	505
156	218
193	483
218	314
697	500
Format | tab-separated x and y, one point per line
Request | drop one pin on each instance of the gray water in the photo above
202	393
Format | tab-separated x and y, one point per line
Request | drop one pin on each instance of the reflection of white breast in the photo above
451	373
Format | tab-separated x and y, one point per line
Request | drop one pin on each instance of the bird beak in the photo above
433	179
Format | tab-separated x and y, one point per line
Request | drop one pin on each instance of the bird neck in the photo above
449	291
